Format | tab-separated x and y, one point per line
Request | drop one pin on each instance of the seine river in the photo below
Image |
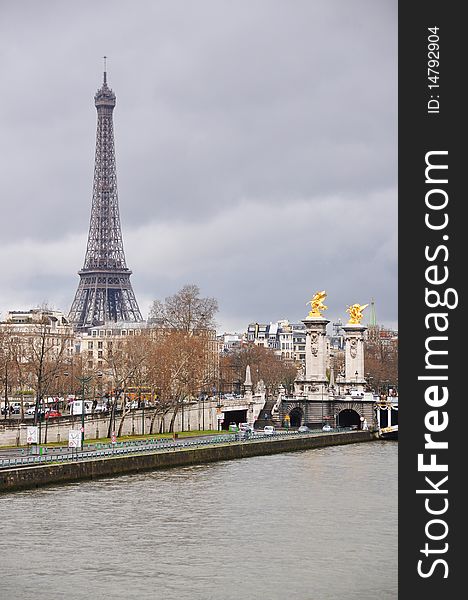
317	524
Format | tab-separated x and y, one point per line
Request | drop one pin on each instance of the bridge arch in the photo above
296	416
349	417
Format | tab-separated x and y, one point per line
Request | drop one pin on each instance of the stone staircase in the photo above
265	417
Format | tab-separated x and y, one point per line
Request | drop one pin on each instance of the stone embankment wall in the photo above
41	475
96	426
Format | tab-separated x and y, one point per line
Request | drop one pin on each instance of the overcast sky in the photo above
256	146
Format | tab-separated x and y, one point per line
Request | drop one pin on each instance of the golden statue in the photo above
317	305
355	313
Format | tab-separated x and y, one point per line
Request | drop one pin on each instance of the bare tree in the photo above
46	354
185	359
264	364
127	364
7	365
179	365
185	311
381	359
133	368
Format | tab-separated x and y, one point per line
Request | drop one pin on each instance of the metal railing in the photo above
56	454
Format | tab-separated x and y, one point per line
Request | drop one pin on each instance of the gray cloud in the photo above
256	150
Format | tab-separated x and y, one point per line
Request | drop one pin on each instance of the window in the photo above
90	345
90	364
99	353
90	353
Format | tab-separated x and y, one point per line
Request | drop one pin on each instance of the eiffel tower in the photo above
104	293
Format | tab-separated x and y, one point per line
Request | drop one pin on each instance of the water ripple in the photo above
316	524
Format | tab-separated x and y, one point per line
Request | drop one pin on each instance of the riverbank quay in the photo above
93	444
121	462
195	416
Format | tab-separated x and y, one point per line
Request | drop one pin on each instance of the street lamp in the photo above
203	411
182	401
142	404
83	380
322	402
201	397
369	379
385	383
218	408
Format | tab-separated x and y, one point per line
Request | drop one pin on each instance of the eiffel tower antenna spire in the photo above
104	293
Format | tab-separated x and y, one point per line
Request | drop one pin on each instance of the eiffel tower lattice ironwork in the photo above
104	293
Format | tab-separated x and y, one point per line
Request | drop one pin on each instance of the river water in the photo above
317	524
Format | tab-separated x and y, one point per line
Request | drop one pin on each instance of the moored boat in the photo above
386	410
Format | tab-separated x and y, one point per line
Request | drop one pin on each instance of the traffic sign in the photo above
74	438
32	435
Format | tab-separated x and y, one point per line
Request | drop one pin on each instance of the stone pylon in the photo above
316	349
313	382
354	356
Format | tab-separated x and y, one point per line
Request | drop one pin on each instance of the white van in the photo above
269	430
76	407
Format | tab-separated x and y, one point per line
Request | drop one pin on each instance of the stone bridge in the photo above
344	411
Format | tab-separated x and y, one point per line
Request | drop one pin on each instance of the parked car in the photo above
326	428
31	410
52	413
269	430
303	429
245	427
246	431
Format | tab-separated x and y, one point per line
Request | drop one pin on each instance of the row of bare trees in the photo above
175	357
31	359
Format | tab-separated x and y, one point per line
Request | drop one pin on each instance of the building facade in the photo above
286	339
